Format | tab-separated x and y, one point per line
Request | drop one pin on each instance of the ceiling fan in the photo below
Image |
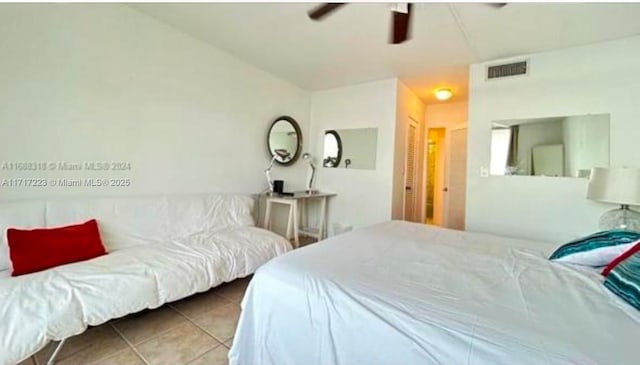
400	17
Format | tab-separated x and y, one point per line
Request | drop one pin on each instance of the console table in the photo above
294	202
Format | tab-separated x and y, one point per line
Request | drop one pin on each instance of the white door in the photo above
456	178
410	176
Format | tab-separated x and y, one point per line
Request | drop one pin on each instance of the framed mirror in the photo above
332	149
284	140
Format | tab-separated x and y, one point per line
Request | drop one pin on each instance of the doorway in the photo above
446	164
435	167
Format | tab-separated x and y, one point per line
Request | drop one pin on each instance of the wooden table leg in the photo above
303	213
289	221
267	216
296	239
322	219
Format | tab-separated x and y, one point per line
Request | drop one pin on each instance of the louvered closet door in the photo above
410	185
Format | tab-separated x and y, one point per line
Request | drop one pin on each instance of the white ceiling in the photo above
350	46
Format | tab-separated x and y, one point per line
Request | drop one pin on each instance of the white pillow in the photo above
598	249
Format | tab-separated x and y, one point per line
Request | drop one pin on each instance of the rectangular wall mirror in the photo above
560	146
350	148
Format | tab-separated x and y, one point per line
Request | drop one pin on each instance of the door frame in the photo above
416	167
447	171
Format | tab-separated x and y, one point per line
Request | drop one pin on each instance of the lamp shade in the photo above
618	185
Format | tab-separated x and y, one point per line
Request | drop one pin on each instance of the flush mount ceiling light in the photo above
443	94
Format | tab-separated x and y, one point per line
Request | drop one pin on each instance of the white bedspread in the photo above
405	293
61	302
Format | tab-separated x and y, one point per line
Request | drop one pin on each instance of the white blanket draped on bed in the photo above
61	302
404	293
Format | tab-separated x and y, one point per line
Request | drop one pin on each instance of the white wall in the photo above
600	78
105	82
446	114
364	196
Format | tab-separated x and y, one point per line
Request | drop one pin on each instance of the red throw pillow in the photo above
635	248
42	248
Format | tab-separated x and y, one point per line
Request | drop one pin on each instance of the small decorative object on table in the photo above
278	186
617	186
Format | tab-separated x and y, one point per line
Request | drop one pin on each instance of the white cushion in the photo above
133	221
597	258
193	214
130	221
597	249
123	222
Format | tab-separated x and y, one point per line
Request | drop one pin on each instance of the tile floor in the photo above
193	331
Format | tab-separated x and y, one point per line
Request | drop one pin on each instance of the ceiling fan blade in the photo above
321	11
400	25
497	5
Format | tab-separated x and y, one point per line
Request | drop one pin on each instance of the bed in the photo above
406	293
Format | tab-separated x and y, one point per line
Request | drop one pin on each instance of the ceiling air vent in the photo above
507	70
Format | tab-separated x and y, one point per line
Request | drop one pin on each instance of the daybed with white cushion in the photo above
406	293
160	249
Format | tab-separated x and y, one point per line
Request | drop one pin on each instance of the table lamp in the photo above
307	157
617	186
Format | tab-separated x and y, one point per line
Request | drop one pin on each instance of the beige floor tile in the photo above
220	322
147	324
90	346
217	356
177	346
228	343
199	304
125	357
162	336
233	291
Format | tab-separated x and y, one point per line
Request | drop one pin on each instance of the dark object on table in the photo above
278	186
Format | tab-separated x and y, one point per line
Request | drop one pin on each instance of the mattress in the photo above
406	293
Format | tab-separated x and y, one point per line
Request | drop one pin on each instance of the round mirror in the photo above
284	140
332	149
